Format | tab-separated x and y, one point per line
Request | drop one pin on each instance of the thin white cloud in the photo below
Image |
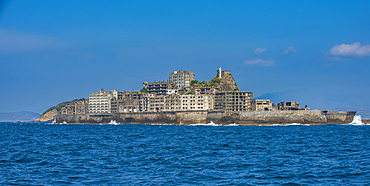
13	41
259	61
290	49
354	49
260	50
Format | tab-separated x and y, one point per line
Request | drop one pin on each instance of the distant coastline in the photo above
18	116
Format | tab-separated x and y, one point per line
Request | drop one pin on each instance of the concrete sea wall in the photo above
334	117
219	117
269	117
180	118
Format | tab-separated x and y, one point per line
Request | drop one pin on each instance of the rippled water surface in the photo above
45	154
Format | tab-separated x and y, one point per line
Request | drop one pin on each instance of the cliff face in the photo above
48	116
227	82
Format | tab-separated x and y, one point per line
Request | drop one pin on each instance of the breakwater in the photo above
219	117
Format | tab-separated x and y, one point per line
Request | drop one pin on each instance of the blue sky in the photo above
314	52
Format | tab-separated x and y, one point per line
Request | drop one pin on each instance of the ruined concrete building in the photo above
262	105
127	102
176	102
76	107
159	88
181	78
221	93
100	102
289	105
233	101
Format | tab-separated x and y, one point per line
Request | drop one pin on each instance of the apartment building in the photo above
181	78
76	107
233	101
127	102
99	102
159	88
176	102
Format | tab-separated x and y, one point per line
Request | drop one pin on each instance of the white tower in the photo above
219	72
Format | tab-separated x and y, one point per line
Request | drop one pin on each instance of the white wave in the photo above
357	120
276	125
113	122
205	124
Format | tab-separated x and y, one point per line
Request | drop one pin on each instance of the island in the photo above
183	100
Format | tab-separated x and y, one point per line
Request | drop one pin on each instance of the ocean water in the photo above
58	154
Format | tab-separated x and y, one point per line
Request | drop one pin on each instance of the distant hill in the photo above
18	116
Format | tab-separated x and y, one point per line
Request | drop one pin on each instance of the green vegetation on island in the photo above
205	83
190	92
61	105
213	83
144	90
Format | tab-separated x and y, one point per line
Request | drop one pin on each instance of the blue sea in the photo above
60	154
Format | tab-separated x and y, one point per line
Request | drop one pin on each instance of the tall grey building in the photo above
234	101
181	78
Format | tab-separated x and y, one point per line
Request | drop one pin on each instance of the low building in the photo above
68	109
203	90
233	101
262	105
289	105
79	106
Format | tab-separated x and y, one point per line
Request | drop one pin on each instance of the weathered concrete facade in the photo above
181	78
127	102
159	88
233	101
175	102
180	118
289	105
218	117
100	102
262	105
76	107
